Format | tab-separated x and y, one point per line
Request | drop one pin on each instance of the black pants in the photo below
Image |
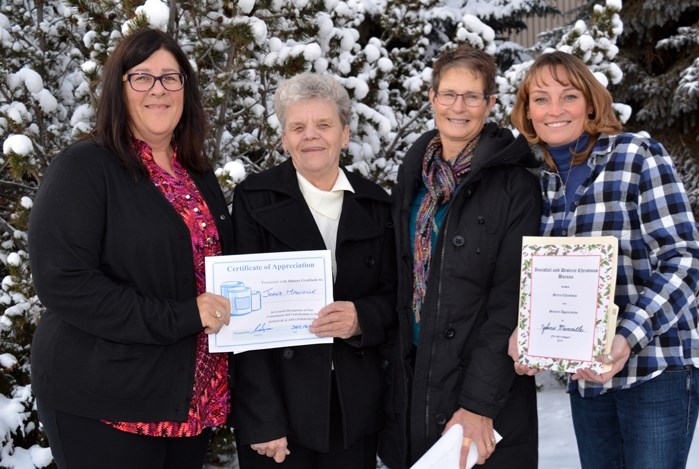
83	443
360	455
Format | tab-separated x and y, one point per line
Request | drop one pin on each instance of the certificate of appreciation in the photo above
567	315
274	298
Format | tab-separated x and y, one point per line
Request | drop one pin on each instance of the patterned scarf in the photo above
440	178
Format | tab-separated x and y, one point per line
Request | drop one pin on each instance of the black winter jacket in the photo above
470	307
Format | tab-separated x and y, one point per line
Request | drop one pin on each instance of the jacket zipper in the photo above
439	308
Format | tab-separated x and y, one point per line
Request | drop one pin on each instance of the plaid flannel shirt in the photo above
634	194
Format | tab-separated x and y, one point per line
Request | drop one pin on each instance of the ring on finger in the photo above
610	358
217	313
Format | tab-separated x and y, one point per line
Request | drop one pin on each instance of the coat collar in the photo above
289	219
497	146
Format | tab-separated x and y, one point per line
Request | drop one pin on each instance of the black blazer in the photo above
286	391
112	263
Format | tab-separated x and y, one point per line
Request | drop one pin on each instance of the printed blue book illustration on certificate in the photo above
274	298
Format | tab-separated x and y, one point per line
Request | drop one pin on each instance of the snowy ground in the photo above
557	449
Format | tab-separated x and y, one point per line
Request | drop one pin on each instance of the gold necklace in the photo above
564	184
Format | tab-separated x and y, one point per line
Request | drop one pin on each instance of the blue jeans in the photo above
649	426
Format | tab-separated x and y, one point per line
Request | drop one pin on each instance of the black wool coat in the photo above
112	263
286	391
470	307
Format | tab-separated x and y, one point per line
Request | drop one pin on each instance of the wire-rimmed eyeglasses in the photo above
448	98
141	81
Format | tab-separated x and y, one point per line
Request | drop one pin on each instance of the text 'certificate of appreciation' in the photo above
274	298
567	315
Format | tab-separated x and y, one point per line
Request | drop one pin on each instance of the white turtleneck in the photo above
326	207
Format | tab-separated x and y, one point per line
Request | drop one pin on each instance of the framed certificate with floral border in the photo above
567	315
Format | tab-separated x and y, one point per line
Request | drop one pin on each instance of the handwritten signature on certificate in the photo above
274	298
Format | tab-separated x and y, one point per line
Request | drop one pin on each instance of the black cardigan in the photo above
112	263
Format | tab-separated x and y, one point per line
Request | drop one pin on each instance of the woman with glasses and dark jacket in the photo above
118	234
463	201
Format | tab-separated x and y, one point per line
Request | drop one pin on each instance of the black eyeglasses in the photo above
448	98
142	82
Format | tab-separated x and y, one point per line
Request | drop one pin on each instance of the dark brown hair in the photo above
601	119
466	57
112	127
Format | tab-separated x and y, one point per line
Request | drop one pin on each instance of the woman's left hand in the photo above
477	429
617	358
214	311
513	352
338	319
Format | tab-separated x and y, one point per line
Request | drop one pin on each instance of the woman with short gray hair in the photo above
299	407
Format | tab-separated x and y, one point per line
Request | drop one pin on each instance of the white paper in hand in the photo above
445	453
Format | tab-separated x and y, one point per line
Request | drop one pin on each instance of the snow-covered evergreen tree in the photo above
380	50
659	55
593	41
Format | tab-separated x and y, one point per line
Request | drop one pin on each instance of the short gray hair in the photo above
307	85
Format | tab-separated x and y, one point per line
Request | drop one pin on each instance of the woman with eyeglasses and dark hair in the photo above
463	201
118	234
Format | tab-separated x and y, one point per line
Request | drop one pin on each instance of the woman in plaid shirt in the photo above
599	181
